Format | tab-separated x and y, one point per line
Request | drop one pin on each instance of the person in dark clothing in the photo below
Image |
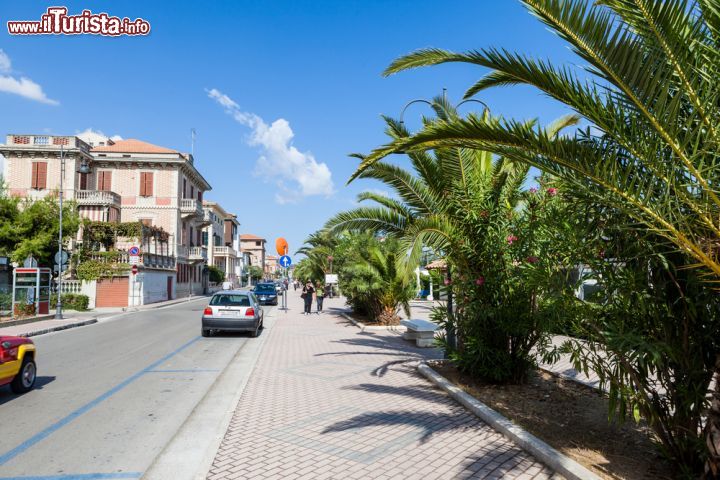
319	295
307	295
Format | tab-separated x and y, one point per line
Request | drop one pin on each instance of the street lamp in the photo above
451	335
83	168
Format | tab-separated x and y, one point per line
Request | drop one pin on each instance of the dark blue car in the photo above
266	293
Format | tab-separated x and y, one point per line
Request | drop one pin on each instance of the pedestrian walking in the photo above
307	296
320	296
295	285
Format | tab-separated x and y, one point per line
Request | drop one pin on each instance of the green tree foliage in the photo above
373	284
32	228
216	275
466	205
650	93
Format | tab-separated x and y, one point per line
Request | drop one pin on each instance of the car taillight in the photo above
207	311
250	312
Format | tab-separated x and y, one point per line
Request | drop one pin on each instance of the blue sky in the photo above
303	78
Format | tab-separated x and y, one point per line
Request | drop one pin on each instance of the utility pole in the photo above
58	308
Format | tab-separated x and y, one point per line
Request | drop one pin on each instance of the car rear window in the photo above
265	288
230	300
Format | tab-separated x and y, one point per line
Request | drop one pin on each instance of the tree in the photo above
32	227
216	275
464	204
652	102
256	273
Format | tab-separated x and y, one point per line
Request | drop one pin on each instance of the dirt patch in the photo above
572	418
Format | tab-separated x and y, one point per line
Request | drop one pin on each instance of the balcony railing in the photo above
225	252
149	260
182	251
97	197
191	207
198	253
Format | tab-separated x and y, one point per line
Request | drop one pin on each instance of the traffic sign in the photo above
61	257
134	251
285	261
134	269
134	260
281	245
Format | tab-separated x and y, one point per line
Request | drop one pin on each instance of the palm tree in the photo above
437	206
653	101
373	282
318	249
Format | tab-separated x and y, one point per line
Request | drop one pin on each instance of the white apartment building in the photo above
222	241
128	181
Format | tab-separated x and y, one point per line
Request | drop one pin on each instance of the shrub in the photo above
71	301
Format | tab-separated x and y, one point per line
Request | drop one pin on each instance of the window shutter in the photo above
33	178
39	175
146	184
105	181
83	181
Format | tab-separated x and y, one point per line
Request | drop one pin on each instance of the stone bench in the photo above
422	331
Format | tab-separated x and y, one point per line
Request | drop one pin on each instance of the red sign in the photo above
134	269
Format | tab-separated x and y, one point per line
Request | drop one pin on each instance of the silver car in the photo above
233	311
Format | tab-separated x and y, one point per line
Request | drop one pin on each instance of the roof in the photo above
250	236
132	145
440	264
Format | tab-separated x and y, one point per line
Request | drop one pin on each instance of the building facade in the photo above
222	240
126	181
253	249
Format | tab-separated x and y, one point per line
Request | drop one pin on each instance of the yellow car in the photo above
17	363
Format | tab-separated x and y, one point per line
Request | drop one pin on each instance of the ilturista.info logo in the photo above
56	21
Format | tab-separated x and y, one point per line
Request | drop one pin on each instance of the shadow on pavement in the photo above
6	395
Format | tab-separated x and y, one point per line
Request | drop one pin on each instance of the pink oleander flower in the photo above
447	282
552	191
480	281
511	239
532	259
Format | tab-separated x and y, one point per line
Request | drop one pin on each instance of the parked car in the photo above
279	286
266	293
17	363
233	311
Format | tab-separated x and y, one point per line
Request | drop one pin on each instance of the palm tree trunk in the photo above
712	435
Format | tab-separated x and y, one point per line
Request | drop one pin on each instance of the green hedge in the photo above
71	301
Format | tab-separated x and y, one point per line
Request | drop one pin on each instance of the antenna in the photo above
192	141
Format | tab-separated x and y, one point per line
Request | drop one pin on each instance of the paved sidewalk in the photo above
328	402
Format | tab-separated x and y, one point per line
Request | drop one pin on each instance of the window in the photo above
200	196
41	140
192	191
230	300
39	175
83	181
257	244
184	188
104	181
146	184
205	239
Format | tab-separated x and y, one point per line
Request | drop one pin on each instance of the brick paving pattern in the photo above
326	401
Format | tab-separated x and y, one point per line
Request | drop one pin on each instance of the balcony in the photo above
225	252
189	207
197	254
97	197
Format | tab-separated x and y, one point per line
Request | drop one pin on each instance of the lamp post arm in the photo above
418	100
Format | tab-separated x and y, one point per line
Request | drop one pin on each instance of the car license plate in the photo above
263	298
229	313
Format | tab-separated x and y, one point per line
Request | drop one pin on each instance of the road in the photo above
110	396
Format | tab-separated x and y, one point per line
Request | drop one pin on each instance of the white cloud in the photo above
22	86
297	174
5	64
89	134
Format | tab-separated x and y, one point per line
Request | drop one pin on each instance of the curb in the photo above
374	328
559	462
154	306
35	333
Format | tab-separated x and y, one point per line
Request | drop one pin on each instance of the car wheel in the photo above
255	333
25	379
205	332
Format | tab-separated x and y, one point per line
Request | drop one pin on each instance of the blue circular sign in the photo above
134	251
285	261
